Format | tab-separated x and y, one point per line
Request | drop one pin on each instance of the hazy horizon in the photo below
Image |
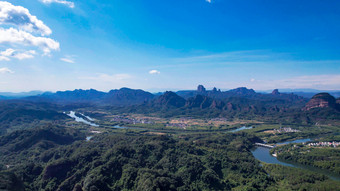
155	90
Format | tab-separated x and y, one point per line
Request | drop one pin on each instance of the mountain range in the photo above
236	103
126	96
236	99
121	97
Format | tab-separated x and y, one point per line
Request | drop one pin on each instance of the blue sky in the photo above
169	45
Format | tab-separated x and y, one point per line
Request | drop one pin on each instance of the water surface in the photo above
241	129
262	154
295	141
80	119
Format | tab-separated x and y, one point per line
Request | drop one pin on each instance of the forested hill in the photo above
17	114
140	162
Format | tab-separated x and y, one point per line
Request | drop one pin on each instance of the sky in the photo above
154	45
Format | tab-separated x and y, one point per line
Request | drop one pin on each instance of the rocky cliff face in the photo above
321	100
203	102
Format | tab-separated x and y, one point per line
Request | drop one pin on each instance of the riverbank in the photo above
263	154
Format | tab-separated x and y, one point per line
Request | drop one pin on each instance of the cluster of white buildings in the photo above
286	130
324	144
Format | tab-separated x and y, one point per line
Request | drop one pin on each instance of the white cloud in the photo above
21	17
8	52
25	55
4	58
67	3
154	72
11	53
68	60
14	36
209	1
18	28
5	70
252	80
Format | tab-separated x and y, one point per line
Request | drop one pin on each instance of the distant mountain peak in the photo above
243	91
170	98
201	88
275	92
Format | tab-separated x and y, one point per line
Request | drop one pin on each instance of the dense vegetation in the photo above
17	114
325	158
60	159
288	178
138	162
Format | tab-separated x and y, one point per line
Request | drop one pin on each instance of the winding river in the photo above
82	120
262	154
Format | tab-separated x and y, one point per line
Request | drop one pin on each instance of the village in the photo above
286	130
325	144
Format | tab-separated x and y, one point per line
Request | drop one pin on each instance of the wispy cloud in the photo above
108	78
68	59
67	3
209	1
18	54
5	70
329	82
154	72
234	56
25	55
312	81
19	28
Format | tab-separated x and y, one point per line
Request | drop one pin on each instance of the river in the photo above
82	120
241	129
143	129
262	154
